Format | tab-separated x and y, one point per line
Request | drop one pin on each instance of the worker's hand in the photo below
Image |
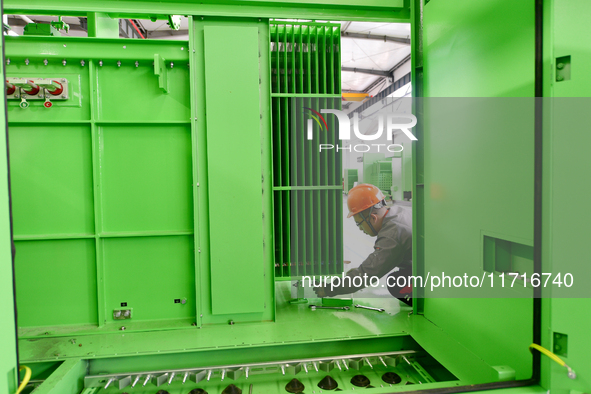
320	291
324	291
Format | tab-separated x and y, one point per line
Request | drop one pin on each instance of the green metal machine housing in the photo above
351	176
151	202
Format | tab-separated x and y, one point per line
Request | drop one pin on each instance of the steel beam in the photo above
367	71
126	29
382	95
391	73
363	36
393	11
67	378
167	33
106	48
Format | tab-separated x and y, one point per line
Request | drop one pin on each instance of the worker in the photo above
393	247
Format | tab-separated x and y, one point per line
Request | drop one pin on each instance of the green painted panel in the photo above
202	174
497	330
569	25
566	226
234	164
129	93
62	276
565	163
146	178
472	50
51	170
466	186
149	274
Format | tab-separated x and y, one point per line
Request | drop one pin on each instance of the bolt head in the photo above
560	78
560	66
122	328
64	80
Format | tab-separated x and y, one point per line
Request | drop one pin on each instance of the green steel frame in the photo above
8	345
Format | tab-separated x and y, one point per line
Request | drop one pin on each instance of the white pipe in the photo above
26	18
9	32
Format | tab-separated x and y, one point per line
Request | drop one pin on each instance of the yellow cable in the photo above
547	353
554	357
25	379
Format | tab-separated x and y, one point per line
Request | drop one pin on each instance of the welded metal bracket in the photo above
161	72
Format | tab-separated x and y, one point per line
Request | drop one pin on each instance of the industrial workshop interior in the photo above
177	177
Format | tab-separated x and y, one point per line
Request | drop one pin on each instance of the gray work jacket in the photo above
393	248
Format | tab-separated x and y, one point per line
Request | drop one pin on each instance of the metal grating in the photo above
305	69
384	175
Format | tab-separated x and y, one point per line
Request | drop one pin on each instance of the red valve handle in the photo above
59	90
10	88
34	89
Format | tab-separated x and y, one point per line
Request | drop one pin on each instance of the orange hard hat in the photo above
362	197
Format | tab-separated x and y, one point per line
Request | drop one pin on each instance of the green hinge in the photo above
161	72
